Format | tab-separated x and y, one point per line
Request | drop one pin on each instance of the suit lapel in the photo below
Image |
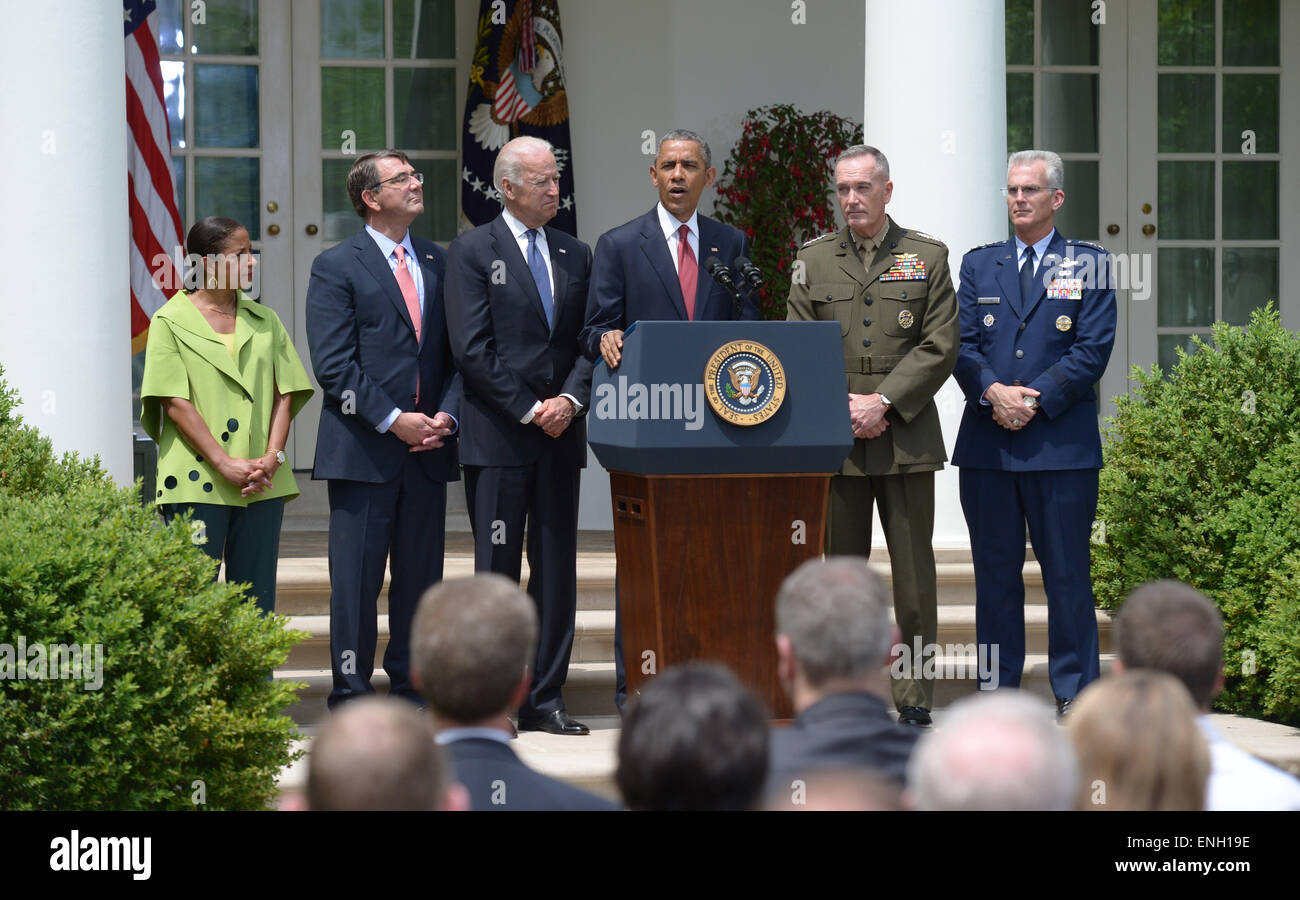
430	291
372	260
1055	247
507	248
1008	278
560	275
883	258
194	332
710	245
655	247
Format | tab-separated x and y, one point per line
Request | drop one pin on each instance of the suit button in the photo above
903	295
866	321
1020	354
548	381
868	299
1022	326
1016	382
829	297
866	342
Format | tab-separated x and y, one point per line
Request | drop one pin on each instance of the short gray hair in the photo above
836	614
995	751
1055	167
471	640
681	134
508	165
376	753
882	164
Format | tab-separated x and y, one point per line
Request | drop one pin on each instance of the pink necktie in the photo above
412	297
688	272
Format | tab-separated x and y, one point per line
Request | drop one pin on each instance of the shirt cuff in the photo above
577	407
383	426
528	417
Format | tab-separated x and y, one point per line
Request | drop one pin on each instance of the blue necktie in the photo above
1027	293
537	266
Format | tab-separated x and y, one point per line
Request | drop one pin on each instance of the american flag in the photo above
155	221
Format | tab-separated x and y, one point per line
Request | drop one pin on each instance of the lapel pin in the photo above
562	250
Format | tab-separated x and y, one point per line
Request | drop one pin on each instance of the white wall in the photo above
634	66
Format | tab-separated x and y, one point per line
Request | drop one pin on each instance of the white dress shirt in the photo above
386	246
1240	781
673	234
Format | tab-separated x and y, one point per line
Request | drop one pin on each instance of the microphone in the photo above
722	275
749	273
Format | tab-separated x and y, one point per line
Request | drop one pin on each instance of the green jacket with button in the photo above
901	336
185	358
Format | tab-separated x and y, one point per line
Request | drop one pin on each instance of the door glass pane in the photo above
1186	33
229	27
1077	218
228	186
1069	35
1020	111
339	219
1250	32
171	27
424	29
1167	352
421	99
352	100
1069	112
1250	102
441	199
225	106
351	29
1185	200
173	76
1250	192
1186	114
1249	281
1185	295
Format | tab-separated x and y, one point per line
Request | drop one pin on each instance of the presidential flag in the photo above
154	219
516	87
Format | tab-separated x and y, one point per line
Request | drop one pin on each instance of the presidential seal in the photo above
744	382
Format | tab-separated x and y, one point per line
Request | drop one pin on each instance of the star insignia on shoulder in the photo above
1078	243
987	246
820	237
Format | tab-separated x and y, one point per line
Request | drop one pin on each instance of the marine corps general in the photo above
890	289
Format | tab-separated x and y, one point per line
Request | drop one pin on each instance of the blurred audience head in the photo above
695	738
833	630
378	753
846	789
999	750
1138	744
1171	627
472	640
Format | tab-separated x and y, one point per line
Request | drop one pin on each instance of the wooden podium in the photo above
711	516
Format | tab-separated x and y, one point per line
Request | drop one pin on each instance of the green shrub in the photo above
1202	483
185	696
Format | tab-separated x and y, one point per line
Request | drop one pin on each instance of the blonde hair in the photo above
1138	744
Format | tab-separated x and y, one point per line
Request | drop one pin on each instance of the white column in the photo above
65	342
936	106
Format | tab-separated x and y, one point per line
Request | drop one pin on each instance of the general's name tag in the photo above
986	301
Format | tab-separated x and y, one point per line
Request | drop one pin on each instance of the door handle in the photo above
311	229
1112	229
1148	229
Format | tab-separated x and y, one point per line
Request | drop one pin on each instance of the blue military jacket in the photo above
1057	342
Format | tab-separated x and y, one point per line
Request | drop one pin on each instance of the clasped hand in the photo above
1010	409
867	415
554	416
422	432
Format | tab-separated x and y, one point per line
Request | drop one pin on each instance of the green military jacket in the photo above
898	320
186	359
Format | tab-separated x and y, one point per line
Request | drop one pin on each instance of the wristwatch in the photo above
279	457
885	401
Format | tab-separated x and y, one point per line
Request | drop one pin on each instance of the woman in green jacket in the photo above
221	382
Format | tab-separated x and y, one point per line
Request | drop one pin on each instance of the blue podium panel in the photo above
652	415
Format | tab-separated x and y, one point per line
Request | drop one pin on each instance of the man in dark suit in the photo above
515	295
378	340
471	644
645	271
833	639
1037	327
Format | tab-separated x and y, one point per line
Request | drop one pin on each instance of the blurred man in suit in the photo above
378	340
890	290
515	296
833	638
1037	327
651	268
379	754
472	640
1171	627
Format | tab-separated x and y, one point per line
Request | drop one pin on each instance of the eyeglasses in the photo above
1028	193
400	180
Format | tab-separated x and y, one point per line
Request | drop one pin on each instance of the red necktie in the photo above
412	297
688	272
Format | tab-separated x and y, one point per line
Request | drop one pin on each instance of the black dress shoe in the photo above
1063	705
557	722
914	715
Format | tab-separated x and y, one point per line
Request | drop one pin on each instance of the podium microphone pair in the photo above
749	273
